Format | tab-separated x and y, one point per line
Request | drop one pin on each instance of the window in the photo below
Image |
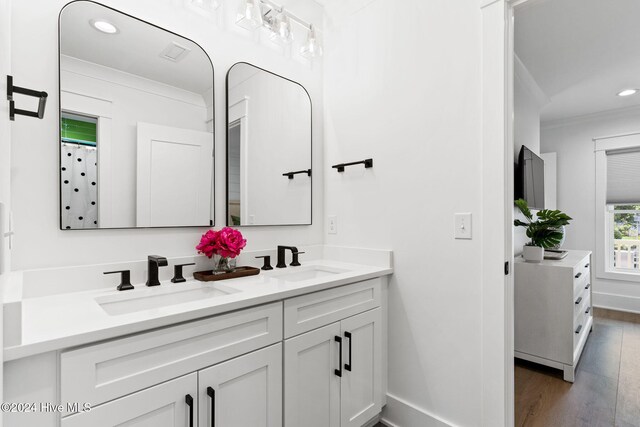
624	242
617	249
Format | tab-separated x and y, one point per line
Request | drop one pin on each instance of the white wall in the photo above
131	99
35	148
278	127
572	140
402	85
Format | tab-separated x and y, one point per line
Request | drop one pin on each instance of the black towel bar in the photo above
291	174
11	89
368	163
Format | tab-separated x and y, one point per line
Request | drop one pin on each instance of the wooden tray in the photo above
208	276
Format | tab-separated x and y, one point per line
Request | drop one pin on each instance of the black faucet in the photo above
155	261
281	255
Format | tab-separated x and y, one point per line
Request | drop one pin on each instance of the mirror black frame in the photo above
226	124
213	134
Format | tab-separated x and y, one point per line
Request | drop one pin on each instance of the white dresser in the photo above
553	312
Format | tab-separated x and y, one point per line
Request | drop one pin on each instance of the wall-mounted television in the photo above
529	179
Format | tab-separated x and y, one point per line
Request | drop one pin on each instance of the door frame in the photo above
498	57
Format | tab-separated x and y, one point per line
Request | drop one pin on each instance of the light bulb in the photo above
250	15
312	48
104	26
281	28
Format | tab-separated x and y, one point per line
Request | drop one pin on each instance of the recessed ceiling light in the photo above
104	26
628	92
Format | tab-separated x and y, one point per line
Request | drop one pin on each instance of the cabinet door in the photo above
362	368
312	386
164	405
242	392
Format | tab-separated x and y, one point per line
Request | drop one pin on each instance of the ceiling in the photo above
581	53
135	49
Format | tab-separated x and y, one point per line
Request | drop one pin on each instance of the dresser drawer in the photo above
580	304
581	283
98	373
308	312
579	329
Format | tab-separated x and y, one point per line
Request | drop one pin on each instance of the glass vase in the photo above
223	265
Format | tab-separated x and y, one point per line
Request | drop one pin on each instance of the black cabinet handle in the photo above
189	400
588	286
338	372
212	394
587	265
588	310
579	300
578	275
579	329
347	366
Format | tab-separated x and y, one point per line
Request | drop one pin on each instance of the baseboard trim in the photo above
400	413
616	302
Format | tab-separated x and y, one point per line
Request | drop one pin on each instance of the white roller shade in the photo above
623	177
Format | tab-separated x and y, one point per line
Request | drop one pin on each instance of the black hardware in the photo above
338	371
292	174
368	163
125	279
579	329
578	275
294	261
267	262
189	401
506	268
586	266
177	273
579	300
212	394
153	262
347	366
588	286
588	310
11	89
281	255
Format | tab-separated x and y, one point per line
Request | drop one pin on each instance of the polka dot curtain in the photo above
79	186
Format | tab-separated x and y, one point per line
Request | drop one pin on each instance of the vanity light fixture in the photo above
254	14
312	48
250	15
104	26
628	92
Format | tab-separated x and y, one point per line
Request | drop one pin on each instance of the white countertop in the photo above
60	321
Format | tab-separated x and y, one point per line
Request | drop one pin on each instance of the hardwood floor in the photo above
606	391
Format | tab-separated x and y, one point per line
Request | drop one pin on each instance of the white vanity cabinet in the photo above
315	359
334	374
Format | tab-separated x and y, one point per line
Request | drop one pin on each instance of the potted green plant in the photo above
545	231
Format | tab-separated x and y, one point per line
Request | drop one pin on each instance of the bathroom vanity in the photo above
301	346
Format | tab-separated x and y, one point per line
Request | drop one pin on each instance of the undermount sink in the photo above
126	302
300	274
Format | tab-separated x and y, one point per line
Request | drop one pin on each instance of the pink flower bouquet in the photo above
227	243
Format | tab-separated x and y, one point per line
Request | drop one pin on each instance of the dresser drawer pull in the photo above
578	275
588	310
588	286
579	329
579	300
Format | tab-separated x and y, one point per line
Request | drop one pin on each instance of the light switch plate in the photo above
462	226
333	224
